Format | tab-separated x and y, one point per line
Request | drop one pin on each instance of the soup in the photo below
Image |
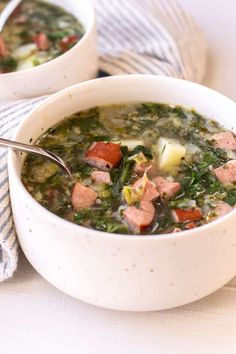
36	33
145	168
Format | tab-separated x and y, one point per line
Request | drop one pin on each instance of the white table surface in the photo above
37	318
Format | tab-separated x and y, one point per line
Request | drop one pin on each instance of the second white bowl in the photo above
80	63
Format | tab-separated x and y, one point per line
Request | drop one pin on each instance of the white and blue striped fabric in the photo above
135	36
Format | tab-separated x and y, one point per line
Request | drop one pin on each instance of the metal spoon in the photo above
7	11
37	151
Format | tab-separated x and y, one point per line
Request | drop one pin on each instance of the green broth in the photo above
143	124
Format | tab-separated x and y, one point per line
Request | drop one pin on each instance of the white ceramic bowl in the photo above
137	273
80	63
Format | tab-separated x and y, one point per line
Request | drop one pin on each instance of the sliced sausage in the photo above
182	215
225	140
67	42
41	40
82	197
139	218
100	177
3	49
226	174
166	188
104	155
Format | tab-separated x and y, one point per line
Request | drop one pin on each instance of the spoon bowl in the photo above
37	151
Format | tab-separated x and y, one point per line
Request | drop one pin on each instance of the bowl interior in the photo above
122	89
81	9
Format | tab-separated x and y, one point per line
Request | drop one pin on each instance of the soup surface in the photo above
36	33
139	169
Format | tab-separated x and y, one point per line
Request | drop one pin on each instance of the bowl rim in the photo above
62	56
68	224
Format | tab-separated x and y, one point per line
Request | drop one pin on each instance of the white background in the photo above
37	318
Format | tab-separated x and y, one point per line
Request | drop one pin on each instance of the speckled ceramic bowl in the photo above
138	273
80	63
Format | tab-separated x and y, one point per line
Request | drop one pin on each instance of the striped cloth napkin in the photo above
135	36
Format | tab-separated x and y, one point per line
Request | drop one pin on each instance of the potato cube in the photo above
169	153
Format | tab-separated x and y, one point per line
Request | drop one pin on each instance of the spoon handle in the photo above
7	11
20	146
37	151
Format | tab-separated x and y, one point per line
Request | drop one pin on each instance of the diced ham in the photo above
141	168
140	219
166	188
225	140
67	42
148	207
83	197
150	192
100	177
149	167
41	40
3	48
222	208
182	215
226	174
104	155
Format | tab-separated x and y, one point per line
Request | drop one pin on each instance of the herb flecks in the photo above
144	124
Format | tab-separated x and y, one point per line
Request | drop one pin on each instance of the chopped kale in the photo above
7	64
90	121
122	175
144	150
231	197
83	169
99	221
72	137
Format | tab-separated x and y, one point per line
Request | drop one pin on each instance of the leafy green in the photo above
197	177
57	35
72	137
144	150
83	169
89	121
154	108
231	197
165	222
122	175
8	64
198	181
100	221
83	215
